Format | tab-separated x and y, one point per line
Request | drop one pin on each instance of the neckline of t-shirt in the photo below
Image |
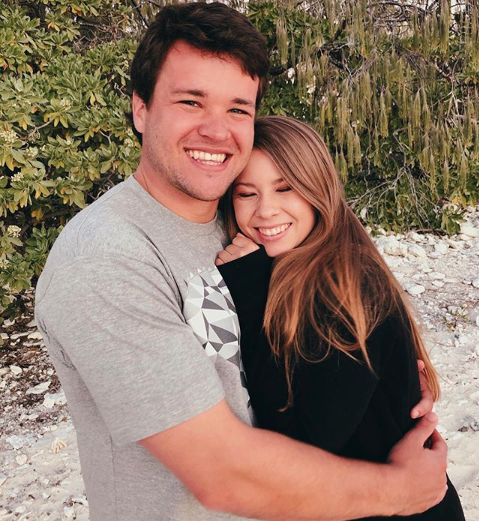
197	228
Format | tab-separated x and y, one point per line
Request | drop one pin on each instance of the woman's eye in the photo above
284	189
244	195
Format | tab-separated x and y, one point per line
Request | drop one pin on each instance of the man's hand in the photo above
240	247
426	404
423	469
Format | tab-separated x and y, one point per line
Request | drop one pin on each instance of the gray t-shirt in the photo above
143	334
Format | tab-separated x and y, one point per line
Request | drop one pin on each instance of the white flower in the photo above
13	231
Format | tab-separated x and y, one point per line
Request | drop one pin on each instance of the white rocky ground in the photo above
39	471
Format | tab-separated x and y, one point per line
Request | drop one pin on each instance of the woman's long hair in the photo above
335	284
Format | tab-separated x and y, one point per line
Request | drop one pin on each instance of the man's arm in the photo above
235	468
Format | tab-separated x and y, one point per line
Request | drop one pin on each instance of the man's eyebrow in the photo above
244	102
192	92
202	94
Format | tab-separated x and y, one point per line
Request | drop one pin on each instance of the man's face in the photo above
198	130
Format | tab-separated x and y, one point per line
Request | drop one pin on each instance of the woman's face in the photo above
268	210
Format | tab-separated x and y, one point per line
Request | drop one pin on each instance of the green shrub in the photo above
391	87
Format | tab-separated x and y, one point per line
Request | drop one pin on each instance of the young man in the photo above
142	330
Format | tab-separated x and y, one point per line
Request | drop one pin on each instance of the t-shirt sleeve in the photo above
118	322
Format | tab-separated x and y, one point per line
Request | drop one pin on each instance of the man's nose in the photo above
215	127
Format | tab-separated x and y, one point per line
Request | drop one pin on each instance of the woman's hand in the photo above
426	404
240	247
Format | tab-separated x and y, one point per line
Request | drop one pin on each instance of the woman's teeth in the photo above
274	231
206	157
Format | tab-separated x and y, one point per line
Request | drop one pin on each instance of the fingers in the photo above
426	403
420	433
438	444
240	247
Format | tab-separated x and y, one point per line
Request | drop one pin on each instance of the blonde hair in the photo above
341	287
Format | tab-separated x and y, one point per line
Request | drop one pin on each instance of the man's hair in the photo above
214	28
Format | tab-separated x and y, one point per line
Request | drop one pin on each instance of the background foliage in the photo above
392	87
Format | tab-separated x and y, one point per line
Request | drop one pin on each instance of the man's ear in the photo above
138	109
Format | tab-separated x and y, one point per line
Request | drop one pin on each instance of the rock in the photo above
9	322
415	289
4	370
22	459
469	230
4	336
21	509
391	246
475	283
438	283
453	244
436	275
441	247
35	336
417	251
16	336
69	512
32	323
415	237
16	370
40	388
16	442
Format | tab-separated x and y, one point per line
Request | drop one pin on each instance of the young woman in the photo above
328	343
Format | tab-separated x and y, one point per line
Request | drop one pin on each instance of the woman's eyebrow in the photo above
277	181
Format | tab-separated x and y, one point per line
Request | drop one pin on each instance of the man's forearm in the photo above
235	468
280	479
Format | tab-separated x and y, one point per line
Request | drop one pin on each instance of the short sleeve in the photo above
118	321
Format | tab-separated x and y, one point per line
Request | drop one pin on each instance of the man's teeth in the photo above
273	231
206	157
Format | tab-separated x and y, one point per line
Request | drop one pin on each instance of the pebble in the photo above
16	336
4	370
438	283
40	388
469	230
35	336
21	509
16	370
9	322
32	323
69	512
16	442
417	251
475	283
416	237
4	336
22	459
436	275
441	247
415	289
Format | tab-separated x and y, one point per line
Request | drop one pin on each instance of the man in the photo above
142	330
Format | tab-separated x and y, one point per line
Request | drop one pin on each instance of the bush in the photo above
391	87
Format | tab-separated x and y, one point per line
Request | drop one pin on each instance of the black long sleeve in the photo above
339	404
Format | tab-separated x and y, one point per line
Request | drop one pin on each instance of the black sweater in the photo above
339	404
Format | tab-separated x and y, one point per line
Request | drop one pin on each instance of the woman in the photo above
328	342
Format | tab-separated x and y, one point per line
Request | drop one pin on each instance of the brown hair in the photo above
337	268
214	28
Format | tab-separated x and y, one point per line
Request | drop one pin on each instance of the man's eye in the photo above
191	103
239	111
